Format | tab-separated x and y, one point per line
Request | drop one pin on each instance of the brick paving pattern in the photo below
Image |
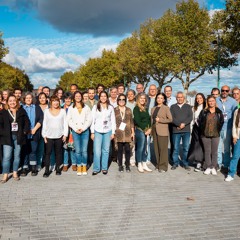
173	205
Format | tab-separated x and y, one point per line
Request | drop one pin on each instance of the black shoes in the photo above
120	169
105	172
174	167
128	169
94	173
187	168
58	171
34	171
46	174
24	172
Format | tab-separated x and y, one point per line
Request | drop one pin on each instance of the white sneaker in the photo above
229	178
148	162
207	171
140	167
145	167
214	172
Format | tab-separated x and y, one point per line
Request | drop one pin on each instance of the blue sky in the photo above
45	42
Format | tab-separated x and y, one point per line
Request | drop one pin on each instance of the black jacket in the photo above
202	119
5	127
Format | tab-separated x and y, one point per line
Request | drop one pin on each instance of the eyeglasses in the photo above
224	90
122	99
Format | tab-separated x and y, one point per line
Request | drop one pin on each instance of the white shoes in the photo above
145	167
148	162
229	178
140	167
214	172
207	171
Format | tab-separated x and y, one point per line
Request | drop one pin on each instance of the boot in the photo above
34	170
58	170
84	170
47	173
145	167
140	167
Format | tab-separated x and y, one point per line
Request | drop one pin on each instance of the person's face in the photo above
68	101
225	91
5	95
199	99
152	91
160	99
180	98
40	89
211	102
46	91
100	89
103	98
168	92
28	100
142	100
12	102
78	97
120	89
91	94
215	93
122	101
42	99
59	94
113	93
73	89
139	88
130	96
55	104
236	94
85	97
17	94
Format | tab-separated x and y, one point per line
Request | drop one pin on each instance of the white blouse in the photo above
54	126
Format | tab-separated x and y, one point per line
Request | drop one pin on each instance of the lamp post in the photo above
219	46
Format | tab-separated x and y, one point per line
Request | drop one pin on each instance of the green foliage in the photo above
66	80
3	50
11	77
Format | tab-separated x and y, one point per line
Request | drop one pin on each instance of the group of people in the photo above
80	129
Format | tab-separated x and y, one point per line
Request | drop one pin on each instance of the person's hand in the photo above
64	138
33	131
182	125
157	119
92	136
148	132
235	140
133	136
112	136
45	140
79	131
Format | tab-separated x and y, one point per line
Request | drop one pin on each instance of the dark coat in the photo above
5	127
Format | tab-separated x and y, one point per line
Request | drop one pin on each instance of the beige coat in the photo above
165	117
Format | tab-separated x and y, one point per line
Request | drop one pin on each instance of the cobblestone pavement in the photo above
173	205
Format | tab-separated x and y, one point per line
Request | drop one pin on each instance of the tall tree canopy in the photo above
3	50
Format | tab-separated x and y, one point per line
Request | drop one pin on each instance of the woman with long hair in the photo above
124	131
195	153
236	149
142	122
79	119
102	132
54	133
14	126
161	117
210	122
35	116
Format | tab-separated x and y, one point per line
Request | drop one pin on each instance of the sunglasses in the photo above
122	99
224	90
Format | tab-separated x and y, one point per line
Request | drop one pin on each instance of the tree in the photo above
11	77
66	80
3	50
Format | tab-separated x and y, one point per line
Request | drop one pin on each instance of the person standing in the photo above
113	97
227	105
142	122
102	132
91	101
161	117
79	119
54	133
215	92
182	117
99	89
170	99
210	122
124	131
14	126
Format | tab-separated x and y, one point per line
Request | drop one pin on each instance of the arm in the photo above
88	118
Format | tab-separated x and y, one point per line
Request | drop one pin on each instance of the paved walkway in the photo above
173	205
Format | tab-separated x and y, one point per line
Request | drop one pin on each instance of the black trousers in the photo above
57	144
126	147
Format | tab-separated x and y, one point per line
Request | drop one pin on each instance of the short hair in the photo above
74	84
168	86
26	94
180	92
100	85
120	85
67	95
85	92
54	98
215	89
46	87
122	95
91	88
17	89
131	90
112	88
235	88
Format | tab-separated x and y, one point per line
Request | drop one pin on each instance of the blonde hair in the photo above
142	107
6	105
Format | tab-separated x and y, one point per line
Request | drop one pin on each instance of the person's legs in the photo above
40	153
163	146
235	159
127	154
7	155
207	152
227	148
176	144
214	143
58	147
16	153
120	153
220	148
84	137
49	147
97	147
156	146
32	155
140	145
77	145
105	149
185	147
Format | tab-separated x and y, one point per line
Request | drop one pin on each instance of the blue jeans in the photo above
69	153
30	150
141	146
176	145
81	146
7	156
224	147
235	159
101	147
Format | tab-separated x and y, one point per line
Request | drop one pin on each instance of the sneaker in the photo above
207	171
65	168
74	168
120	169
161	171
84	170
198	167
214	172
148	162
133	164
128	169
79	170
229	178
174	167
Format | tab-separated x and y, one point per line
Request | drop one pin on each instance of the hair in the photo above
26	94
142	108
67	95
91	88
6	105
195	102
235	88
100	85
74	84
237	118
180	92
54	98
121	85
17	89
209	97
74	101
85	92
168	86
6	90
56	90
164	96
99	102
215	89
122	95
112	88
47	88
131	90
42	93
